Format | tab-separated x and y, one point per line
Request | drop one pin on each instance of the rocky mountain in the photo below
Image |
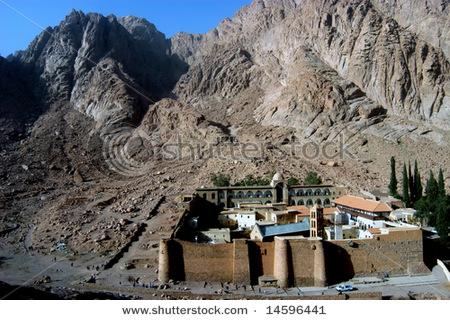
104	105
351	53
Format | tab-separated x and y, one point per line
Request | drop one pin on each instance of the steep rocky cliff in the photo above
347	51
102	105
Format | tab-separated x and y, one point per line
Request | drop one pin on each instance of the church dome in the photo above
278	176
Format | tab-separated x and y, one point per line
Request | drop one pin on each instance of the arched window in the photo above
326	192
309	202
317	192
326	201
213	196
301	203
249	194
319	202
309	192
292	193
268	202
221	195
268	194
292	203
231	195
240	195
300	193
258	194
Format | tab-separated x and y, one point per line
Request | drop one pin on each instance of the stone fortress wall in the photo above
293	261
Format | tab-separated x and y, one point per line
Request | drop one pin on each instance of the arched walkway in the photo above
268	194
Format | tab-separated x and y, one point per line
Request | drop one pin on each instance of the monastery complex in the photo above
282	235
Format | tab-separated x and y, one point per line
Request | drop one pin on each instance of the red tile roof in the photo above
302	210
362	204
374	230
329	211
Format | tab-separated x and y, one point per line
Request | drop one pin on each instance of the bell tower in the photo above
316	220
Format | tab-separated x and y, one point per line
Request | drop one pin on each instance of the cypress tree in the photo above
443	219
405	185
432	189
412	189
441	184
393	182
417	182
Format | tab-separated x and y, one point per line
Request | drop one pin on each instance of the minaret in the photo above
316	220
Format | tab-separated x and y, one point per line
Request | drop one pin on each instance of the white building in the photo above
213	236
242	219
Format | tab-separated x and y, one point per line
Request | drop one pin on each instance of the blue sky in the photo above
169	16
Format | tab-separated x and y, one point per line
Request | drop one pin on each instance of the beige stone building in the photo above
277	192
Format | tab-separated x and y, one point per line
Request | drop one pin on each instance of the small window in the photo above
213	196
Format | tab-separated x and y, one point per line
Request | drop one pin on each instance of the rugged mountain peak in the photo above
394	68
303	69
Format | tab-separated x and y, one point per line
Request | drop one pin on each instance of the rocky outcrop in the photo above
428	20
109	68
392	67
277	70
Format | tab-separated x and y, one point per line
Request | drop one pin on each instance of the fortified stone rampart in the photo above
399	252
293	261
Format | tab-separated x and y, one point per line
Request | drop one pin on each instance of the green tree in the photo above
271	173
262	182
432	198
435	207
412	187
441	184
443	219
250	180
405	185
432	188
393	183
312	178
221	180
422	210
417	182
292	181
